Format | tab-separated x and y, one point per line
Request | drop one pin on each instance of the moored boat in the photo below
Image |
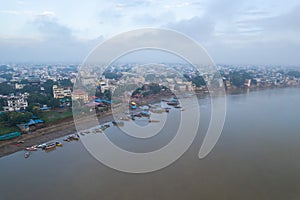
153	120
58	144
10	136
42	145
26	154
31	148
48	146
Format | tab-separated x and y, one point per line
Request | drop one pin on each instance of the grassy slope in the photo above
54	115
49	116
4	129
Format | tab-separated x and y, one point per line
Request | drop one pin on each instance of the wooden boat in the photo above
172	103
124	119
58	144
152	120
10	136
117	123
72	137
31	148
50	146
42	145
26	154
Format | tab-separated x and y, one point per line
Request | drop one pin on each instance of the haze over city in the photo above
233	32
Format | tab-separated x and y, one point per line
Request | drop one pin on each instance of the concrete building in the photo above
60	92
80	95
15	103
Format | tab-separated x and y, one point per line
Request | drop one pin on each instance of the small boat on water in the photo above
58	144
145	114
32	148
153	120
26	154
105	126
42	145
172	103
124	119
48	146
115	123
72	137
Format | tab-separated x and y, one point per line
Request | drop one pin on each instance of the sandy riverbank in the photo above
58	129
50	132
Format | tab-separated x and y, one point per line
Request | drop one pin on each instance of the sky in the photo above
232	31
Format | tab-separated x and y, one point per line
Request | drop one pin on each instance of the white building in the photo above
16	103
60	92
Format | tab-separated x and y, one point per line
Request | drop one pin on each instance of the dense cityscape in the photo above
34	95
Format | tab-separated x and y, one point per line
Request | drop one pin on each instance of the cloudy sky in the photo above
233	32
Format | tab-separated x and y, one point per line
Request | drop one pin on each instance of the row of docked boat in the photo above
44	146
48	146
72	138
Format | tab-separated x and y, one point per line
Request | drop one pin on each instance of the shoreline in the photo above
66	127
51	132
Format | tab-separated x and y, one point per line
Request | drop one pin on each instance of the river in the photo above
256	157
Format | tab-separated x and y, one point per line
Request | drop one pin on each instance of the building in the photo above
247	83
60	92
15	103
19	86
80	95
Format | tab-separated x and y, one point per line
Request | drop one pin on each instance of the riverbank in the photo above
66	126
51	132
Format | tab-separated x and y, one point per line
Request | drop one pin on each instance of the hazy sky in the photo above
233	32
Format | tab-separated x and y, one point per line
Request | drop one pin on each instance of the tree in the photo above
238	78
31	89
112	75
66	83
150	77
48	86
6	89
107	94
53	102
2	101
14	118
296	74
198	81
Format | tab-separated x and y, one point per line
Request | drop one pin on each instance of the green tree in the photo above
14	118
48	86
66	83
6	88
238	78
198	81
2	101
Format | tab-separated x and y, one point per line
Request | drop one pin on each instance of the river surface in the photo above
256	157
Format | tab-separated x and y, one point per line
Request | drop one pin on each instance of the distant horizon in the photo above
260	33
79	63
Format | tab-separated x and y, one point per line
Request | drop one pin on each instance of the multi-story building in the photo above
80	95
16	103
60	92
